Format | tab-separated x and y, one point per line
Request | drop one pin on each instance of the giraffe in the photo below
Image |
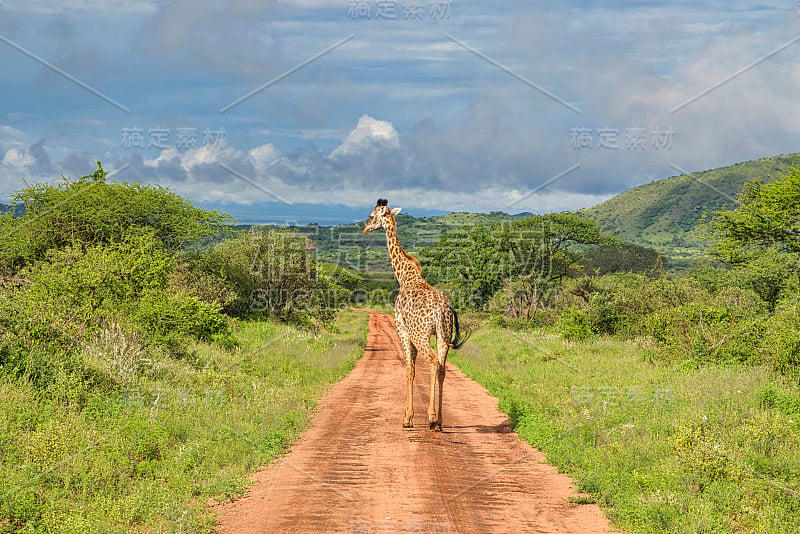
420	311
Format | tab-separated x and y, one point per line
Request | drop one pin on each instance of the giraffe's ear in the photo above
395	211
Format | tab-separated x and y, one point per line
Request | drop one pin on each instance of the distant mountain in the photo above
666	214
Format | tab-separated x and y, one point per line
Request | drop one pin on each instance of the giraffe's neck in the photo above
405	266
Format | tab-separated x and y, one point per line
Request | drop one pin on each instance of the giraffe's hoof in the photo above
433	423
408	424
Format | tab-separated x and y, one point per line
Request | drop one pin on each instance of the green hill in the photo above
666	214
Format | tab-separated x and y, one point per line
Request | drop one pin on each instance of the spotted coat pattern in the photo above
420	311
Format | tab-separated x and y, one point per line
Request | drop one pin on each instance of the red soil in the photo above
356	470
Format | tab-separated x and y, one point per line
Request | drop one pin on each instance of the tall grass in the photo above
662	447
149	457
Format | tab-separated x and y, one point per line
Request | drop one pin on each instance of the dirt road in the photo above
356	470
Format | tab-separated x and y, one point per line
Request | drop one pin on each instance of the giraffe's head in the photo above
380	217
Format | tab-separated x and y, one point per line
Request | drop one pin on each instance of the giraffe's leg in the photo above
423	345
442	346
433	420
440	377
408	420
411	357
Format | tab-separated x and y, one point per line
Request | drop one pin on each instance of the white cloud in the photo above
261	157
18	161
368	133
11	137
209	154
168	154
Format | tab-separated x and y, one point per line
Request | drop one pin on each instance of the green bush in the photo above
771	275
101	277
575	325
703	332
607	316
56	217
272	273
128	278
703	455
780	343
78	293
170	319
773	396
190	280
706	317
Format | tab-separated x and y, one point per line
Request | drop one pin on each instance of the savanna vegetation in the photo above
658	364
673	399
150	357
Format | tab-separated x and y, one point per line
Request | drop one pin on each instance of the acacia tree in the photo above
469	259
766	216
760	237
538	252
530	256
622	258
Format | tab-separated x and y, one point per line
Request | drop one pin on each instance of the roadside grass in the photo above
184	433
661	447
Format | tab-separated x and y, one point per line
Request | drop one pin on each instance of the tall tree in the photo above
469	259
529	255
538	253
765	216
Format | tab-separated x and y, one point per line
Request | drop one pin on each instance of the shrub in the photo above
607	315
169	319
272	273
780	343
771	275
56	217
702	454
575	325
773	396
50	327
188	279
704	332
101	277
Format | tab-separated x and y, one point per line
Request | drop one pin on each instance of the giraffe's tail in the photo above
462	334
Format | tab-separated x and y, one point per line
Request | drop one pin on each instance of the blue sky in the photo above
298	110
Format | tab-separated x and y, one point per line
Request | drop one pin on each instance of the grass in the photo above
183	433
660	448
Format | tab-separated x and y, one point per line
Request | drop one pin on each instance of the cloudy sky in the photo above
298	110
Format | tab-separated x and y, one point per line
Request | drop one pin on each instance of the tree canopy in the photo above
766	216
94	210
532	253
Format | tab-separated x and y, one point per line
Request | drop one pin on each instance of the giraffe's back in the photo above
421	309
